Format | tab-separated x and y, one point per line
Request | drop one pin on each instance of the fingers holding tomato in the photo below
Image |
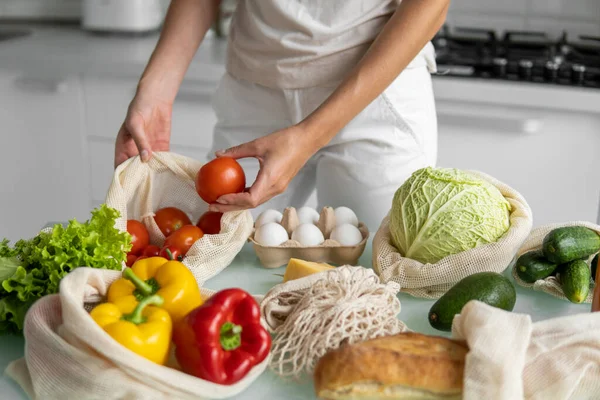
219	177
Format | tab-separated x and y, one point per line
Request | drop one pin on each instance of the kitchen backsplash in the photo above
554	16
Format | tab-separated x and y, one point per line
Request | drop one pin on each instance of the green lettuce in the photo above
33	268
440	212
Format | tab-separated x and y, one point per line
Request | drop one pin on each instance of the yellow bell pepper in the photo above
145	331
172	280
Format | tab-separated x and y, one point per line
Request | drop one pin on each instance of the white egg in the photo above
308	235
344	215
268	216
307	215
346	235
270	234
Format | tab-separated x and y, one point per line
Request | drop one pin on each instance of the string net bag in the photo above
312	315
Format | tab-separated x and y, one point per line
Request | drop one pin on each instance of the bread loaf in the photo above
404	366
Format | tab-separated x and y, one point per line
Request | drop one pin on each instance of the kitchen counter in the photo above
246	272
63	50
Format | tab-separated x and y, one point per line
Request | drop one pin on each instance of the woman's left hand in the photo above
280	155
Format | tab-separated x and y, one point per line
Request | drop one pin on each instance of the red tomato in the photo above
210	222
131	258
170	219
184	238
221	176
139	236
141	258
171	253
150	251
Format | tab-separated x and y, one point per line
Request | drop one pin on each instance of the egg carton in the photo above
330	251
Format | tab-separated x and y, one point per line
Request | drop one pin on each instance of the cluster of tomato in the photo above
219	177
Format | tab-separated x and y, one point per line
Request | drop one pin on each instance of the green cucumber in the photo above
563	245
489	287
575	280
533	266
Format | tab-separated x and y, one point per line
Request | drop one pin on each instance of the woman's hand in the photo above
147	128
280	155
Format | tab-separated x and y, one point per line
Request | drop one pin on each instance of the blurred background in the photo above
518	97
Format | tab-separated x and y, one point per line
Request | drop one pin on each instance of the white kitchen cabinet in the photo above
549	156
42	156
106	101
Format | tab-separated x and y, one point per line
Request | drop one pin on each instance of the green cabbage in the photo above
438	212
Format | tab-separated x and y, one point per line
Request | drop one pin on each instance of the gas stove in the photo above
521	56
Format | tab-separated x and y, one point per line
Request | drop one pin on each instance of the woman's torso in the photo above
303	43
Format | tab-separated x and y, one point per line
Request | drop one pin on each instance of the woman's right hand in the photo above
147	128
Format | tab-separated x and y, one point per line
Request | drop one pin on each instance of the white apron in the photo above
265	90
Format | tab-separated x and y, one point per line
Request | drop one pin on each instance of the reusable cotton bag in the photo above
511	358
433	280
68	356
550	285
140	188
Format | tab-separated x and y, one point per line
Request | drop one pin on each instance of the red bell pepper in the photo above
221	340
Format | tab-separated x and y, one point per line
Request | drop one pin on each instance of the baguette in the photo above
404	366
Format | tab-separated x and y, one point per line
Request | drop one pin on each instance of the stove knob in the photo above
500	66
578	74
551	71
526	69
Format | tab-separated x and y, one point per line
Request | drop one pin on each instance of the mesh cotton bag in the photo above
168	180
511	358
433	280
549	285
68	356
317	313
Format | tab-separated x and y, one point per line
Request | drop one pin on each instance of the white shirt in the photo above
292	44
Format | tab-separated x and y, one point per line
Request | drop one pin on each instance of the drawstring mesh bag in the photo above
312	315
432	280
68	356
139	189
550	285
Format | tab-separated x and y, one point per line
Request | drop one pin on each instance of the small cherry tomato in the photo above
171	253
141	258
151	251
139	236
210	222
131	258
184	238
218	177
170	219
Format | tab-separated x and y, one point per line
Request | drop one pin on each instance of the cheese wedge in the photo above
297	269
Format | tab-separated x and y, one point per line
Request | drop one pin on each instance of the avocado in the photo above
489	287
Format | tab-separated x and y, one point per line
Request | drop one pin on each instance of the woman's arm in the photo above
147	126
414	23
186	23
282	154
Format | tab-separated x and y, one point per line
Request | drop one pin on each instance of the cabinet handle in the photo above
42	85
495	119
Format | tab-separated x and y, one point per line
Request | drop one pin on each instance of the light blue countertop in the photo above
246	272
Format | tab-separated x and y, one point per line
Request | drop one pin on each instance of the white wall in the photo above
554	16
